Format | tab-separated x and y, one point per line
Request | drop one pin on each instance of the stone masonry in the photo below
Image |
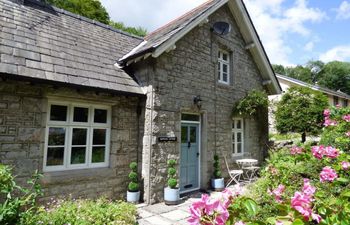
23	113
172	81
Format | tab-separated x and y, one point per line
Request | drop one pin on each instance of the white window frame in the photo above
69	125
234	132
221	63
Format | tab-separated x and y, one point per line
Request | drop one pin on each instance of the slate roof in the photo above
43	42
164	33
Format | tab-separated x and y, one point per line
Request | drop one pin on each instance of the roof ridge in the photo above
178	18
97	23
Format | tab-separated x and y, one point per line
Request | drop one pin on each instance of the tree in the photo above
279	69
301	110
93	9
336	75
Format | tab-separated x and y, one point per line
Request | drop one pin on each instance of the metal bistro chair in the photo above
234	174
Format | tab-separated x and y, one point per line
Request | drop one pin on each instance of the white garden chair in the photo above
235	175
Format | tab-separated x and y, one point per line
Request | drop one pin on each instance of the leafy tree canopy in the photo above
93	9
333	75
301	110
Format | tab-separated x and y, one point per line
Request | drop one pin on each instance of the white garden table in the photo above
250	168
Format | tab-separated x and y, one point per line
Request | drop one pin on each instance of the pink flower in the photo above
278	222
318	151
239	223
278	193
308	189
345	165
302	203
316	217
327	174
331	152
347	134
327	112
296	150
346	118
329	122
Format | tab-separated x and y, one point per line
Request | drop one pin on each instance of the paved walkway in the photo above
161	214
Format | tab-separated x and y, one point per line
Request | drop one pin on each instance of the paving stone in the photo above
157	220
144	213
160	208
176	215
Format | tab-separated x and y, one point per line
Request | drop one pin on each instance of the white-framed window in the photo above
77	136
237	136
223	67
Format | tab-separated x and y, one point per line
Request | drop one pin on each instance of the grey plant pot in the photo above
133	197
171	196
218	184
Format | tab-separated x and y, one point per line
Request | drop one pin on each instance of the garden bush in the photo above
100	211
304	184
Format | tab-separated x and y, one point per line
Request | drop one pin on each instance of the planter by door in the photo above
133	197
218	184
171	196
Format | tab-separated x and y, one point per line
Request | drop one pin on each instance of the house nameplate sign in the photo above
166	139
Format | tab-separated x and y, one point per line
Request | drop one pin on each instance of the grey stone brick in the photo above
27	54
39	65
8	68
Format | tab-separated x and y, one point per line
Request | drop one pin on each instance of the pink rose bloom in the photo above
239	223
296	150
329	122
327	112
318	151
302	203
347	134
278	193
346	118
308	189
327	174
345	165
331	152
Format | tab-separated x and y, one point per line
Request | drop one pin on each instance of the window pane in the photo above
239	124
224	77
58	113
233	148
183	134
190	117
56	136
239	137
239	148
99	137
55	156
193	134
81	114
219	70
98	154
78	155
233	125
224	68
79	136
233	137
100	116
224	56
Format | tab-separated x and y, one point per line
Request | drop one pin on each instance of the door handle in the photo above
189	144
197	154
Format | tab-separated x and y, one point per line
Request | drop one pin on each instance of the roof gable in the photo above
45	43
164	38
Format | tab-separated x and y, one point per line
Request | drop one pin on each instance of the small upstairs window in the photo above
223	67
335	100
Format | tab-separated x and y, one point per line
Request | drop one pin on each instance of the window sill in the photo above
69	176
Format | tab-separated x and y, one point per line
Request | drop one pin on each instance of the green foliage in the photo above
138	31
301	110
333	75
133	176
252	104
133	186
282	137
336	135
87	212
93	9
216	164
172	181
16	201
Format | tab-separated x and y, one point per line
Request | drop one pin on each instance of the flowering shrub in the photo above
302	185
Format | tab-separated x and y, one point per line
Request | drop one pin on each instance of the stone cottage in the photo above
80	100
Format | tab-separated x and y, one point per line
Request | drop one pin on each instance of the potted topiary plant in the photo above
172	192
217	182
133	193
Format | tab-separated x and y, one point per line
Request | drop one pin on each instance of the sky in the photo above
292	31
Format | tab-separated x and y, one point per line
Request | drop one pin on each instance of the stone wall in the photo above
175	78
23	113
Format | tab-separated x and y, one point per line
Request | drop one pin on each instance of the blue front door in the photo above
189	163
